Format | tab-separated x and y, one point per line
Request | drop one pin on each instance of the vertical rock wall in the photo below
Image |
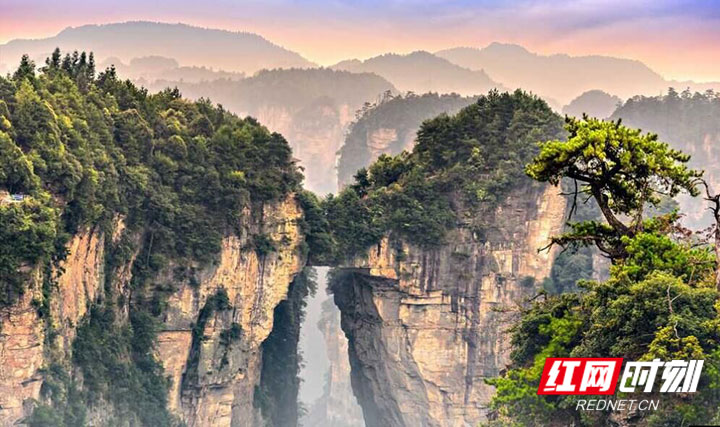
24	346
226	358
213	379
426	327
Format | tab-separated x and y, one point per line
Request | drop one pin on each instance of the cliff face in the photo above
424	327
21	355
24	346
315	134
213	372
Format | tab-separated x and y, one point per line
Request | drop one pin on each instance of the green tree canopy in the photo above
622	169
660	300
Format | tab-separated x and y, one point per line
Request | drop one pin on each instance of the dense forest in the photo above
84	149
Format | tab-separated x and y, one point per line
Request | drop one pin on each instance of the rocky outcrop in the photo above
24	345
426	327
214	372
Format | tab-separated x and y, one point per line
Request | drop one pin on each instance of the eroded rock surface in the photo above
213	378
24	346
426	327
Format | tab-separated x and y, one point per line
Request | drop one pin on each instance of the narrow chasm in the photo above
325	392
277	394
305	375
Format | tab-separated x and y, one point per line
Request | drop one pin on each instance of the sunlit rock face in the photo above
21	355
24	344
212	380
426	327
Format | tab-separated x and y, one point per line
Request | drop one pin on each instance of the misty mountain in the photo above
389	127
311	108
594	103
562	77
190	46
689	122
422	72
148	69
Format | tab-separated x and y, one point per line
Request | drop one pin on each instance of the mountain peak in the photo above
505	48
421	71
189	45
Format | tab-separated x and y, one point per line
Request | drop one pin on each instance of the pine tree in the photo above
25	70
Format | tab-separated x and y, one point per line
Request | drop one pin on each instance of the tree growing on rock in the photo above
623	170
660	300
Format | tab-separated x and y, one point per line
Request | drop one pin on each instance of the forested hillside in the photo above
81	150
389	127
311	108
152	249
688	121
465	162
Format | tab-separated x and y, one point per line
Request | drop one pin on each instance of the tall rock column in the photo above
213	329
426	327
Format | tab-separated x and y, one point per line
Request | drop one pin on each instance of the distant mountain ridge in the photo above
560	76
594	103
422	72
189	45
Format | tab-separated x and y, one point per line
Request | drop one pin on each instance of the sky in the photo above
679	39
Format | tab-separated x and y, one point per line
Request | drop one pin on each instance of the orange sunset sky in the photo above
678	39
